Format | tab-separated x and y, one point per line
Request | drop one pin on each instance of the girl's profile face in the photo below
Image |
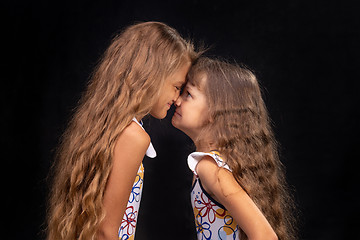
191	110
170	92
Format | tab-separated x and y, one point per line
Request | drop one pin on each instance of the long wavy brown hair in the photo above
126	83
240	130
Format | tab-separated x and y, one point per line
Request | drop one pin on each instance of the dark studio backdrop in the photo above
303	52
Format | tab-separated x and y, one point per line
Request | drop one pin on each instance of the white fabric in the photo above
195	157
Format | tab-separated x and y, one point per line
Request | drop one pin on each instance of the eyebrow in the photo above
180	82
193	85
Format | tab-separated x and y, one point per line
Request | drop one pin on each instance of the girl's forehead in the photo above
197	80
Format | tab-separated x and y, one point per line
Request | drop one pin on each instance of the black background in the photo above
305	54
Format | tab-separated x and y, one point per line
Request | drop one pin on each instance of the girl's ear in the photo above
211	119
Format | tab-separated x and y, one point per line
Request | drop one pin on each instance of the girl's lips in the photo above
177	113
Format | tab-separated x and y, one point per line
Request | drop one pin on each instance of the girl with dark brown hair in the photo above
239	189
98	173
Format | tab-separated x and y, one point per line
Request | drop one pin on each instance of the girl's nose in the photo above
178	102
177	95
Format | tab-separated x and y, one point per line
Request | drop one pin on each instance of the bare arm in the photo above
221	184
129	151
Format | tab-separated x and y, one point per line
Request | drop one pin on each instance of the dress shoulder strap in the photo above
195	157
139	123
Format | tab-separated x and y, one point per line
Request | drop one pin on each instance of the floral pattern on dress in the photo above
137	187
128	223
207	208
202	228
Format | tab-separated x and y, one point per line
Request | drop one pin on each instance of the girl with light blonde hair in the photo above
98	172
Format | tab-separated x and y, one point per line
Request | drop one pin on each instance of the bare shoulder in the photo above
216	180
206	166
134	135
132	144
208	171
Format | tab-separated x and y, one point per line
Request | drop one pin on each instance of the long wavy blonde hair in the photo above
126	83
240	130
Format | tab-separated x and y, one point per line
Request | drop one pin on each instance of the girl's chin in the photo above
175	122
159	115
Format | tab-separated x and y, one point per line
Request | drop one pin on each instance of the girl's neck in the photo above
204	146
139	117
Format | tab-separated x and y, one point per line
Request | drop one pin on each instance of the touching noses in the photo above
178	102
